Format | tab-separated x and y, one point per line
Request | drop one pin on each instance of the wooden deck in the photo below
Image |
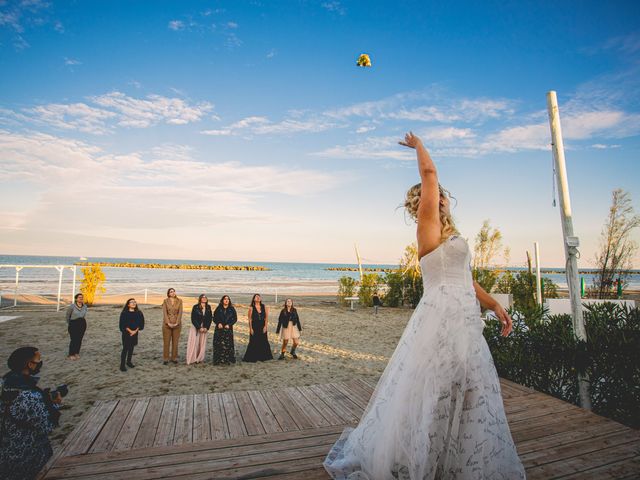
285	434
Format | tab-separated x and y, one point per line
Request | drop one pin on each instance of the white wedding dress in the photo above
436	412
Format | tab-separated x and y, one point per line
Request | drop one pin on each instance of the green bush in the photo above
346	288
522	286
368	287
546	356
403	288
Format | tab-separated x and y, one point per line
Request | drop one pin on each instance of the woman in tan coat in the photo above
171	325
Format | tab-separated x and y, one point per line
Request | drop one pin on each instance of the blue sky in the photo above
244	130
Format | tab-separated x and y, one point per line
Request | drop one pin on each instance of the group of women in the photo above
203	319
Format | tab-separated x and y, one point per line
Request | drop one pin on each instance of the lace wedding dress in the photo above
436	412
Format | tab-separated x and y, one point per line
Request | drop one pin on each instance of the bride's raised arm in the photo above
428	216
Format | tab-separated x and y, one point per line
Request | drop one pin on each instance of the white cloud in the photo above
152	188
602	146
232	25
271	53
176	25
103	113
335	7
71	61
257	125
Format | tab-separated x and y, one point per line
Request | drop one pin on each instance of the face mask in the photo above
35	371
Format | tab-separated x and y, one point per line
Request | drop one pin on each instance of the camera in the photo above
63	390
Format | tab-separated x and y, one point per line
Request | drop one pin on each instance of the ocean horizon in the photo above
283	277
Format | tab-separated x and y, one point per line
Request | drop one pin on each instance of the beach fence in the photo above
16	290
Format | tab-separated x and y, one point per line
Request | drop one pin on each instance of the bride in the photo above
437	411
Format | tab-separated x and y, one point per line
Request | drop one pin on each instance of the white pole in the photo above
145	296
276	296
359	262
15	295
571	242
538	278
60	270
73	288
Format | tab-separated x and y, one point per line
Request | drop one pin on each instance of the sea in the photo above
281	277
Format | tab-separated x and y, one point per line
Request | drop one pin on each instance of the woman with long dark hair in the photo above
171	325
289	323
201	317
224	317
131	322
437	411
259	348
76	325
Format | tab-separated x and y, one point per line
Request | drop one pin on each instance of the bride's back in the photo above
448	264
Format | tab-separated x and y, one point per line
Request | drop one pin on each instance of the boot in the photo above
122	367
281	357
293	353
129	364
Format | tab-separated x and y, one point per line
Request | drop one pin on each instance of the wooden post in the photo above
571	242
538	278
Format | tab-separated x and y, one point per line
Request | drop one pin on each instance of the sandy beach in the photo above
336	345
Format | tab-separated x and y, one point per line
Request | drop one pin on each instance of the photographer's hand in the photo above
57	399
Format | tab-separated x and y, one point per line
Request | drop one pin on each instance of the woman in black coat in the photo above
131	322
224	318
289	323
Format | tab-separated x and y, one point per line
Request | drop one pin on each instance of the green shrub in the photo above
546	356
368	287
346	288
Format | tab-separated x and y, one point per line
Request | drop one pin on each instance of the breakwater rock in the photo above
252	268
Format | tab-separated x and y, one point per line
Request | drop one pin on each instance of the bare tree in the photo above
614	259
487	246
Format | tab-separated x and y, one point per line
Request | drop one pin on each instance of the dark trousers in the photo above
76	331
128	342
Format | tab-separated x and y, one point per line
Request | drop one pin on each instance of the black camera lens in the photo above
63	390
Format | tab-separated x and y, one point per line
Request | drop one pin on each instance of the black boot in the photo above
281	357
129	364
122	367
293	353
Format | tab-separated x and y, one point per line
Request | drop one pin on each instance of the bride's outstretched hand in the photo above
411	140
505	320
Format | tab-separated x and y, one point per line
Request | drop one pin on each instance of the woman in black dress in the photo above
258	349
224	317
131	322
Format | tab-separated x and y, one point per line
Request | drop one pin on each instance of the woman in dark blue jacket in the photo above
201	317
224	318
131	322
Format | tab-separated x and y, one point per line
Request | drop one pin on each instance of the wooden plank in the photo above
265	414
232	413
184	421
279	411
249	415
233	444
364	392
167	423
327	412
201	426
316	418
561	452
147	432
129	430
353	395
344	414
159	459
627	468
585	461
343	401
578	432
106	439
85	439
298	415
217	419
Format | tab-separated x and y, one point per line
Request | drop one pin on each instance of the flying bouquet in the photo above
363	60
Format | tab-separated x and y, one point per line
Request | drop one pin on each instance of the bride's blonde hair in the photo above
412	202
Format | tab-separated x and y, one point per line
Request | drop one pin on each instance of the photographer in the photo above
27	415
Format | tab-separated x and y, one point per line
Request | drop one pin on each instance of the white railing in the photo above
59	268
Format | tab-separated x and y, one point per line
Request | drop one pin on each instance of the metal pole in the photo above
73	288
538	278
145	296
15	295
571	242
276	296
60	270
